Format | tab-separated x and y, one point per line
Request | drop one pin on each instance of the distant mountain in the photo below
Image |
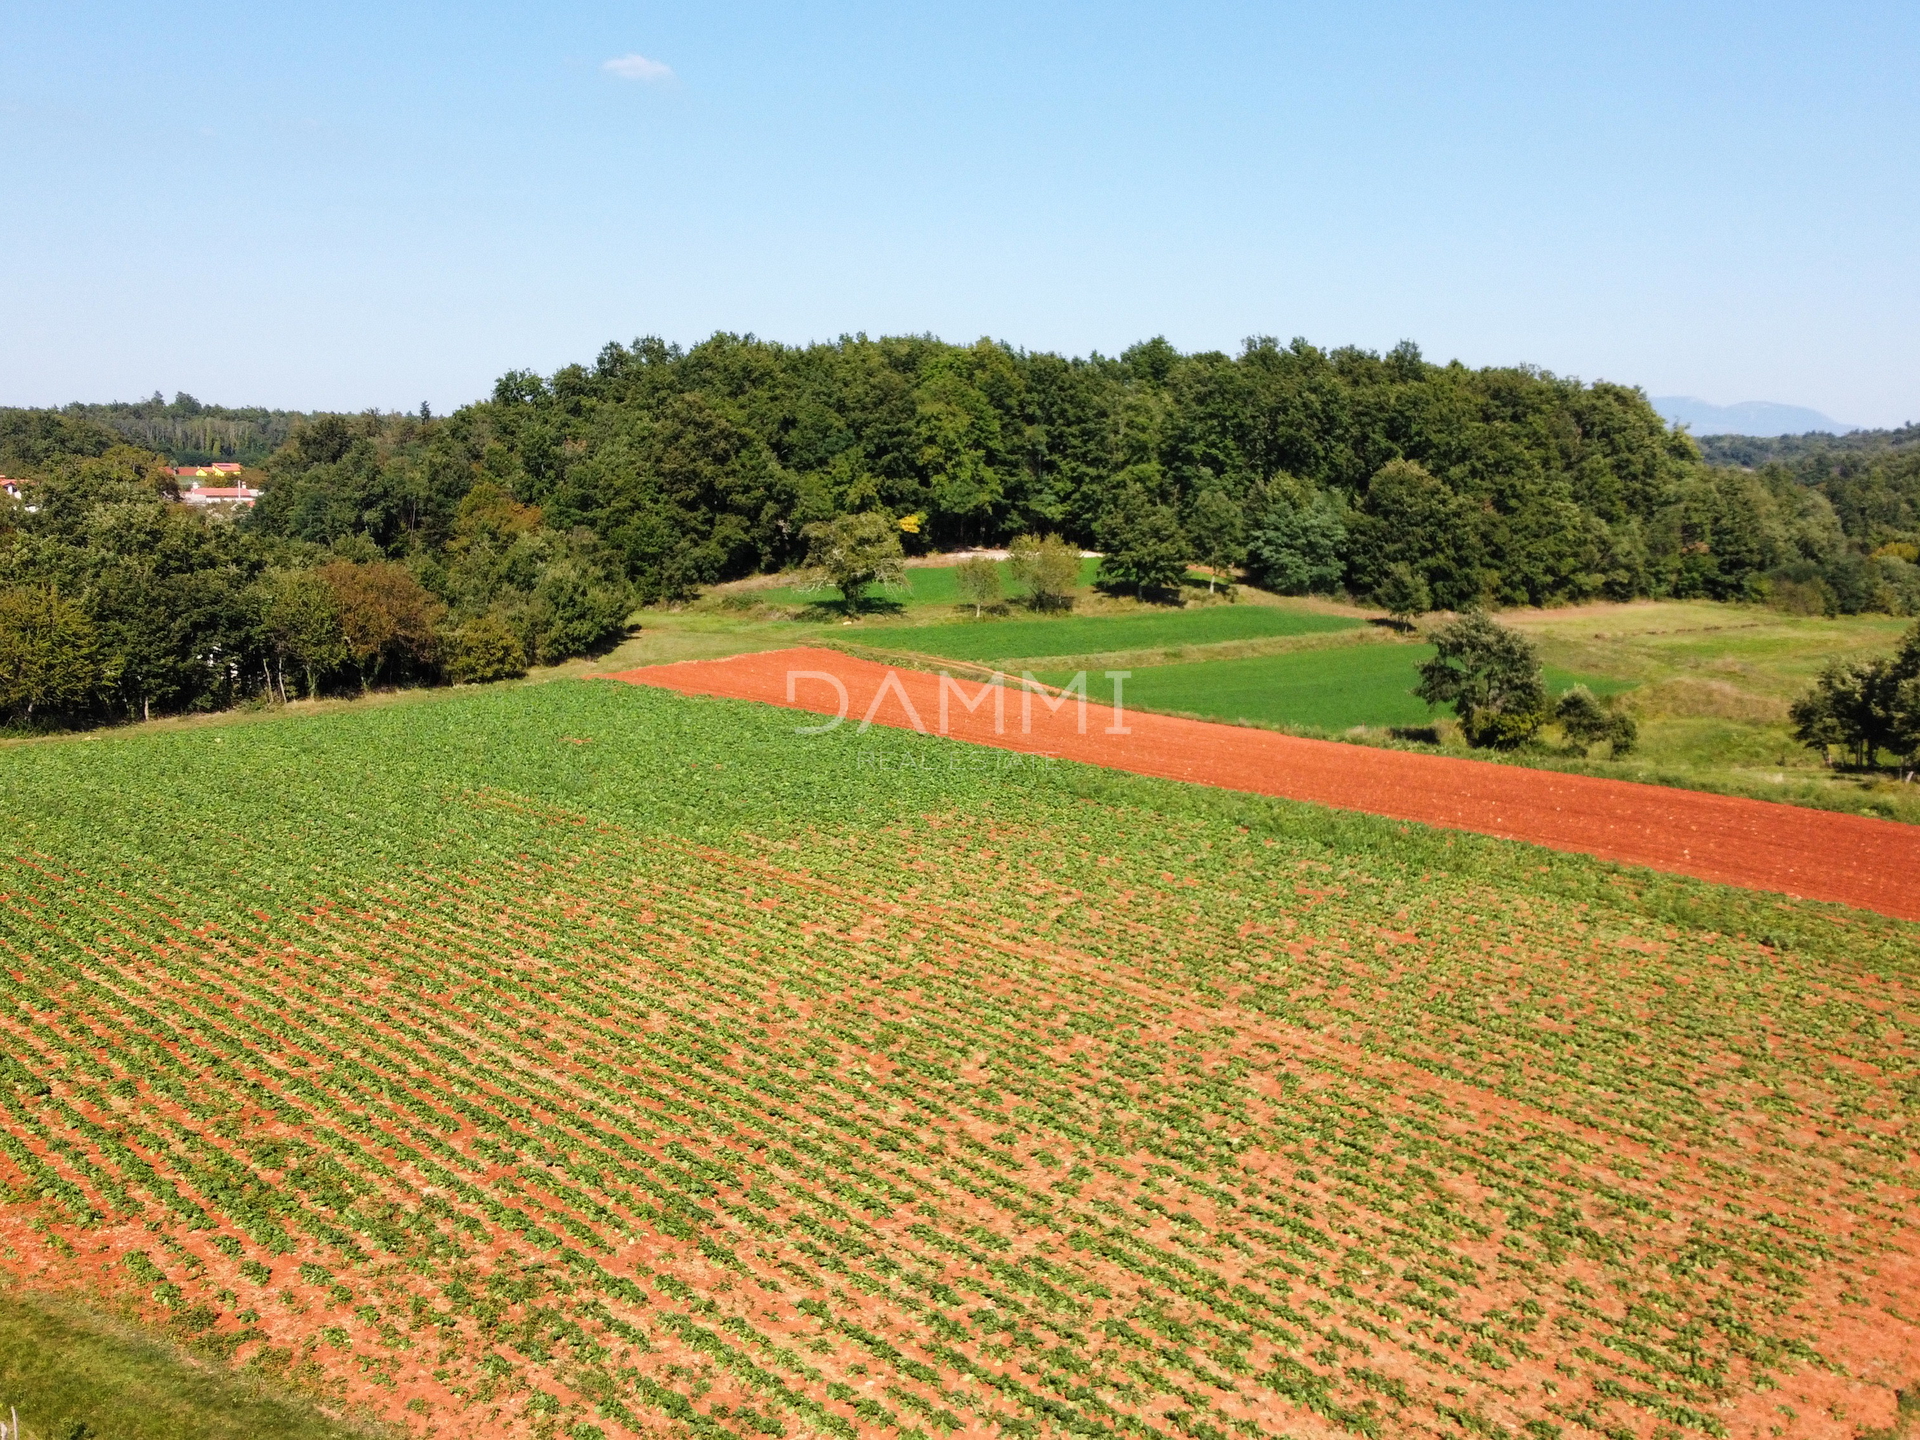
1751	417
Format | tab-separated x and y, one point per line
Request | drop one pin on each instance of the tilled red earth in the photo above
1814	854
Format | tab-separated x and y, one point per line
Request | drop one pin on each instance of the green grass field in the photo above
581	1060
991	640
1331	689
69	1373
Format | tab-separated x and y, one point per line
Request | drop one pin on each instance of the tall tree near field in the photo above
1142	541
386	618
856	551
1299	542
1411	517
1865	706
1047	568
300	621
1217	525
1491	676
978	580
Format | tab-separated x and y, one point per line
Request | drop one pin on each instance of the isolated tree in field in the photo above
1217	526
300	623
1865	706
386	618
1587	721
978	580
1048	569
1403	594
1491	677
1299	543
1852	706
856	551
1143	543
49	654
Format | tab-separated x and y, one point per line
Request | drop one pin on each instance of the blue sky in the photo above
357	205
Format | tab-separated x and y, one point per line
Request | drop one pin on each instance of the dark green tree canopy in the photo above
551	506
1491	677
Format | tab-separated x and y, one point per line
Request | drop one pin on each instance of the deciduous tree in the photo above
1491	677
978	580
1143	544
1217	526
856	551
1047	568
1403	594
386	618
49	654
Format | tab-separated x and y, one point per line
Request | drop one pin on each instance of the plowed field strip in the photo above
1813	854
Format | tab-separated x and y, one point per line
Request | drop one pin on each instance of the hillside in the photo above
526	528
189	432
571	1059
1753	451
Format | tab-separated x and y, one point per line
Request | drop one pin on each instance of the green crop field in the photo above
582	1060
1330	689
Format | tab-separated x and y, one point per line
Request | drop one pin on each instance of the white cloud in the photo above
638	67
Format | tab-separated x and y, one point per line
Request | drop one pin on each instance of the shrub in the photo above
1047	568
575	610
1403	594
1588	721
484	648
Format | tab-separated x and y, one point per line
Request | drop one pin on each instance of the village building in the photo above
217	483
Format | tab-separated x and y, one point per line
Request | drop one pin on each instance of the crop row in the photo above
968	1126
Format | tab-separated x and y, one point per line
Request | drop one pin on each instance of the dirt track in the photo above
1816	854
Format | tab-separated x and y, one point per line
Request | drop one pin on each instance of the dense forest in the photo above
190	433
1753	451
521	528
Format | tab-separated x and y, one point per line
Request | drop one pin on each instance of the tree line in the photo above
529	522
1316	470
1871	481
183	429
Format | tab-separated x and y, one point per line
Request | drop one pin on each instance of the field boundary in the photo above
1763	845
1154	656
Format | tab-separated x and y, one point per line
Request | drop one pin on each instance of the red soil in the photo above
1814	854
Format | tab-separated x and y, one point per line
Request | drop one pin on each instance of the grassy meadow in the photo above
74	1374
1331	690
923	585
